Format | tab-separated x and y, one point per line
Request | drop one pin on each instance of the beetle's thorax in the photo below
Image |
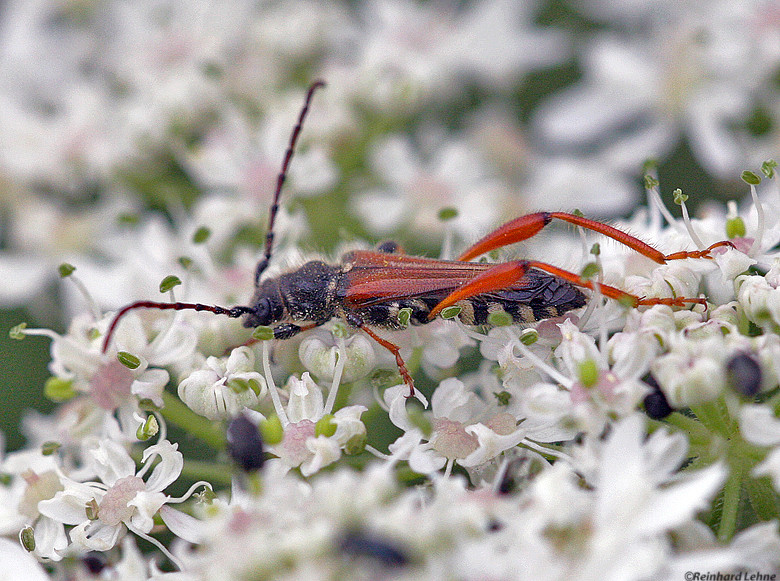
308	294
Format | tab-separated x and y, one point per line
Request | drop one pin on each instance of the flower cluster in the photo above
537	450
637	437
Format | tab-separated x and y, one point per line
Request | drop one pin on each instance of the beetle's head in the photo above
266	306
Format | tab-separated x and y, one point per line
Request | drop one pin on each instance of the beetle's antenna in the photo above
269	237
233	312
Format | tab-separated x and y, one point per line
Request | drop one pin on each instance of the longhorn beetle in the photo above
369	288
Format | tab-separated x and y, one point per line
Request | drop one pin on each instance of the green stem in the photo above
175	412
342	398
762	498
214	472
415	360
697	433
731	494
774	403
714	417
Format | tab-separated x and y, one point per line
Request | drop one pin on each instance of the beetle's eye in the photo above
262	314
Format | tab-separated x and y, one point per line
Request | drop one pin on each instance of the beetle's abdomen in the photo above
542	296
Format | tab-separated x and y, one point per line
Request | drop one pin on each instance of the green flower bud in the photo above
128	360
201	235
529	336
325	426
169	282
263	333
735	228
271	430
17	331
450	312
750	178
448	213
148	429
58	390
50	448
588	373
503	397
65	269
27	539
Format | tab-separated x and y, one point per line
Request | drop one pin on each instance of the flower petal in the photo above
168	469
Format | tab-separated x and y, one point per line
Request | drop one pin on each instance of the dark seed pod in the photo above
244	444
94	562
743	374
361	544
656	405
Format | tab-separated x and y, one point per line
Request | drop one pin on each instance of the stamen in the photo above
755	248
337	374
586	314
158	544
603	335
598	299
680	198
370	449
503	467
546	451
190	492
446	245
41	333
540	364
163	429
655	201
269	378
91	304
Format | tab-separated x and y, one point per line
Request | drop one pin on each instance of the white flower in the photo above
77	357
34	477
692	372
455	435
16	563
760	426
121	499
321	356
409	53
759	298
224	387
671	76
576	348
618	529
631	509
301	444
418	189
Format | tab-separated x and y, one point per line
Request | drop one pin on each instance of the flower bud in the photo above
759	299
320	358
576	347
306	401
688	379
325	426
222	388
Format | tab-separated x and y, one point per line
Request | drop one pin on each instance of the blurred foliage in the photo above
23	371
